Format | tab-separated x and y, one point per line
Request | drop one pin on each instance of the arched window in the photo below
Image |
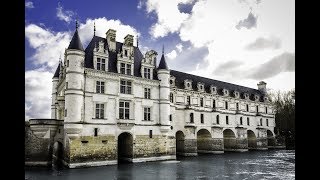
240	120
191	118
218	119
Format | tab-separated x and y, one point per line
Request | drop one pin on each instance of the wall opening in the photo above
229	139
252	140
204	140
271	138
57	155
125	148
179	143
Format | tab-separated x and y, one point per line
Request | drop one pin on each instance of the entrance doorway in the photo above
125	148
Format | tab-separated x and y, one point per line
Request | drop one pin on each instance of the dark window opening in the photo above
257	108
226	103
237	106
240	120
95	132
150	133
188	100
202	118
191	117
267	121
214	104
248	121
218	119
171	97
227	119
247	106
201	102
170	117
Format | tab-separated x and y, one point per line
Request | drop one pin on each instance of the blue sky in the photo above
238	41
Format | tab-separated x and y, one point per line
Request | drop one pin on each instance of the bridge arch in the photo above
229	139
204	140
271	138
180	142
57	155
252	139
125	147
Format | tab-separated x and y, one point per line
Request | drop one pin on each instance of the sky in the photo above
237	41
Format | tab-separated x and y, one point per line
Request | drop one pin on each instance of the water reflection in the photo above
271	164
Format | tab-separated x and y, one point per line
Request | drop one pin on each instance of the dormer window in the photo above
187	84
126	53
125	68
147	73
256	97
101	64
246	95
236	94
172	81
200	86
225	92
266	99
213	89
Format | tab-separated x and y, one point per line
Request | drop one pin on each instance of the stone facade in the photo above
101	116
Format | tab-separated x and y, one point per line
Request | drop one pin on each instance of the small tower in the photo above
55	80
74	92
164	91
262	86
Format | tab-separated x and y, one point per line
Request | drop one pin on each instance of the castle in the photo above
111	103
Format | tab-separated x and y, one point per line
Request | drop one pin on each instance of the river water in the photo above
270	164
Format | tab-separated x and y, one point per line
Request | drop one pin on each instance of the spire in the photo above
94	28
76	42
163	63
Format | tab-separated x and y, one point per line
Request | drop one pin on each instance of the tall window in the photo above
67	63
261	122
170	117
128	69
99	111
191	118
266	110
240	120
218	119
226	105
248	121
101	64
247	108
147	93
188	100
147	73
237	106
150	133
125	87
124	109
147	114
125	53
257	109
202	118
95	131
267	121
201	102
227	119
214	103
125	68
171	97
100	87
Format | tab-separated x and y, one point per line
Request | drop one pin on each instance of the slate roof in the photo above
76	42
163	63
56	74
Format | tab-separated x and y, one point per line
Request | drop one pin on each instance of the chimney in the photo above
262	87
128	40
111	39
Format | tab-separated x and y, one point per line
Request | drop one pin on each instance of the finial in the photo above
77	23
94	28
162	49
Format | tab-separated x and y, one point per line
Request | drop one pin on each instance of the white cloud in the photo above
179	47
29	4
64	15
172	54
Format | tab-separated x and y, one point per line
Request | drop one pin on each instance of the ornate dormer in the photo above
236	94
266	99
172	81
188	84
148	64
100	57
256	97
213	89
125	57
111	39
246	96
225	92
200	86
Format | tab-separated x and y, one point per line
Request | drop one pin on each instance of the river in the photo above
269	164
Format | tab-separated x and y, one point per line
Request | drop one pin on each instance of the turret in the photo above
164	91
75	85
55	80
262	86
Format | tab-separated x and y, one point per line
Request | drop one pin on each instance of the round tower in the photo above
74	86
164	92
55	80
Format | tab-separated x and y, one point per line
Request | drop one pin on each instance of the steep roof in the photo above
76	42
56	74
163	63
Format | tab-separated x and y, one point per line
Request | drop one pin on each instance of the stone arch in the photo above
229	139
252	140
125	147
180	142
204	140
271	138
57	155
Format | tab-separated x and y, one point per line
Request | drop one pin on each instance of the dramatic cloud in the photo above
264	43
172	54
282	63
230	67
29	4
64	15
249	22
38	93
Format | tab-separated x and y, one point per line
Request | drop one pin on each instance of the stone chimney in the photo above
111	39
262	86
128	40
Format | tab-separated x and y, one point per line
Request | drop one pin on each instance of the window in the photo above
201	102
125	87
66	85
147	114
248	121
202	119
99	111
267	121
129	69
125	68
170	117
67	63
147	73
247	107
191	117
125	53
261	122
214	103
101	64
266	110
95	131
171	97
237	106
188	100
240	120
227	119
100	87
257	109
150	133
218	119
124	109
65	113
147	93
226	105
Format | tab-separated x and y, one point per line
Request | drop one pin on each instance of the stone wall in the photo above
158	145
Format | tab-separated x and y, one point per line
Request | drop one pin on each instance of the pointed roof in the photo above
56	74
163	63
76	42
